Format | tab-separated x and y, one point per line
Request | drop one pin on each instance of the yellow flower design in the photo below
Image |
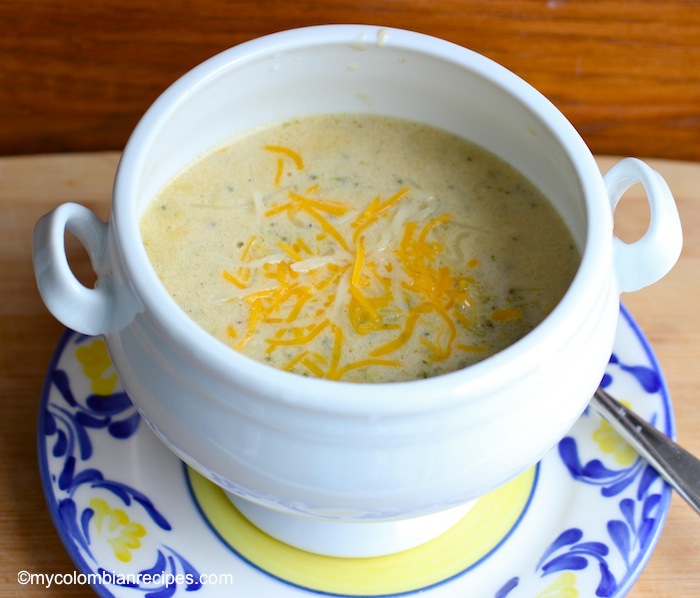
609	441
97	366
124	534
564	586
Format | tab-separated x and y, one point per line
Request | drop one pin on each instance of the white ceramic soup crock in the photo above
330	466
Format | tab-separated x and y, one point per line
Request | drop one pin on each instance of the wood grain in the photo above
76	76
30	186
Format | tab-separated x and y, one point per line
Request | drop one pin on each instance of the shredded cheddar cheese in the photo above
395	287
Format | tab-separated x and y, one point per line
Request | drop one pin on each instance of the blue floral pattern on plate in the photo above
69	421
121	504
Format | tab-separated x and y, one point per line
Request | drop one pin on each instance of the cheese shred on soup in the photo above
359	248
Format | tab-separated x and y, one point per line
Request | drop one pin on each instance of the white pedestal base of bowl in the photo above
350	539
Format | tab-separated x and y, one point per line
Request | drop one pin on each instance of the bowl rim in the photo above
228	366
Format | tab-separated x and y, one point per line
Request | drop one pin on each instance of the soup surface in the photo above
359	248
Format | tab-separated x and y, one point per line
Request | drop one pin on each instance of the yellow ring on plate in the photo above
480	531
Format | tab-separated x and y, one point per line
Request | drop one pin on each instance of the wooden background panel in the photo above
76	76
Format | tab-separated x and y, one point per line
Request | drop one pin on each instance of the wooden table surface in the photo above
76	75
668	312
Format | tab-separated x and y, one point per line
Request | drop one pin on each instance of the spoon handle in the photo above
675	465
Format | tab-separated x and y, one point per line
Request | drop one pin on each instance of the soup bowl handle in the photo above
648	259
86	310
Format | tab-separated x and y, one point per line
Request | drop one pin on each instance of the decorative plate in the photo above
137	522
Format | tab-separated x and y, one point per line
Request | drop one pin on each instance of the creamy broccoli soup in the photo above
359	248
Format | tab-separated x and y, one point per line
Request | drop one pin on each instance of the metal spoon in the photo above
673	463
